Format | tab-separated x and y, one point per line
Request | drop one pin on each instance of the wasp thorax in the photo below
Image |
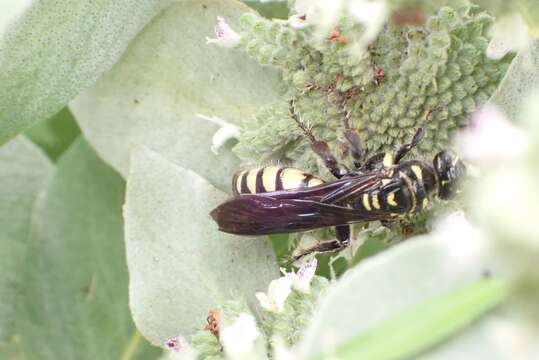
450	170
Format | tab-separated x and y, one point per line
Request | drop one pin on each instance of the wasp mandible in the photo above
273	199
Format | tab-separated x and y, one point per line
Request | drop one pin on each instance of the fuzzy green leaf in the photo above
74	298
167	76
23	171
388	285
180	265
50	50
522	78
421	327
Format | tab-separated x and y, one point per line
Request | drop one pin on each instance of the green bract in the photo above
441	64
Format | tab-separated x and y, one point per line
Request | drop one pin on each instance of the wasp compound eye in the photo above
450	170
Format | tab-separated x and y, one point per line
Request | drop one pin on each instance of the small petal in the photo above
278	292
372	14
280	350
238	339
298	21
301	281
322	13
175	344
226	36
463	240
510	33
490	137
222	136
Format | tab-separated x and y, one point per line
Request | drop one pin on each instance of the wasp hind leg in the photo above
342	242
321	148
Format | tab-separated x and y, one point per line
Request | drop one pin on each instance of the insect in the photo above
382	188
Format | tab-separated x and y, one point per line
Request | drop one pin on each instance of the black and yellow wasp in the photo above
383	187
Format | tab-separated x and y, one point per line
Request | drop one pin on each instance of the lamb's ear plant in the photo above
106	241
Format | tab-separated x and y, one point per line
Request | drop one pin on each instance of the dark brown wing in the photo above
261	214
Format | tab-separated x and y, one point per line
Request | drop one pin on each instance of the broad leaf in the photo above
50	50
418	329
23	171
74	302
521	79
385	286
180	265
166	77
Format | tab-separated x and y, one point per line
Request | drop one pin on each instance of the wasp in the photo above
383	187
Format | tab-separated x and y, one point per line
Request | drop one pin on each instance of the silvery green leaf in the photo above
180	265
50	50
24	170
395	281
73	302
168	76
521	79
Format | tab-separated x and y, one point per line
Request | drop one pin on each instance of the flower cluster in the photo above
383	90
233	332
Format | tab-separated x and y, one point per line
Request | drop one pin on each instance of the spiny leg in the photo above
321	148
418	136
343	240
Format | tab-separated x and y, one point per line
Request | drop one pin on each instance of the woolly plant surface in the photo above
51	50
441	65
522	78
73	290
153	95
23	171
180	266
384	287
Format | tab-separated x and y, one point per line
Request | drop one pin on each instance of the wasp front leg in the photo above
418	136
321	148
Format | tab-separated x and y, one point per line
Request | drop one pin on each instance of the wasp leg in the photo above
352	137
388	223
343	240
356	147
405	149
418	136
321	148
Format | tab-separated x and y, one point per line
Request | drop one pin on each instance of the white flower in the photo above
226	37
280	350
509	33
462	240
238	339
490	137
323	13
278	291
372	14
301	281
298	21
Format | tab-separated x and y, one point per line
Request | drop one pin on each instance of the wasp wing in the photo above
262	214
331	192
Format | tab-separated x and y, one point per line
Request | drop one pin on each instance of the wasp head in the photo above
450	170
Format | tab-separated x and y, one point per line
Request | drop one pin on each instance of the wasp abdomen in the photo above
272	178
